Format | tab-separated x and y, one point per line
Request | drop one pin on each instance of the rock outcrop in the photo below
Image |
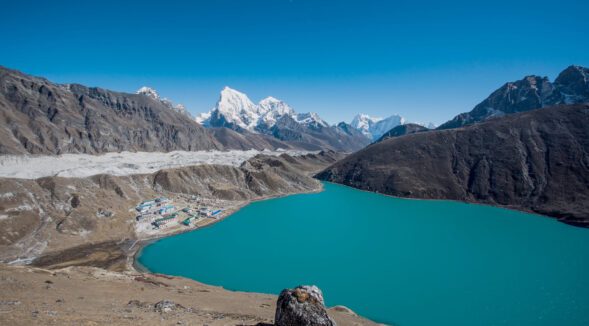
302	306
532	92
534	161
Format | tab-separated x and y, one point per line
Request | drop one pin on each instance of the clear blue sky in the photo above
426	60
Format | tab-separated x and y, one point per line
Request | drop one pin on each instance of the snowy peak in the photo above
203	118
234	102
311	119
373	127
150	92
384	125
273	109
361	120
271	104
235	109
364	123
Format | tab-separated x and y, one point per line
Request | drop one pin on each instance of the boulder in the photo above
301	306
166	306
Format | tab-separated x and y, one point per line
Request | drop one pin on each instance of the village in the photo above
165	215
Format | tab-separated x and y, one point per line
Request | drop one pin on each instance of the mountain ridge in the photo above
41	117
532	92
536	161
274	117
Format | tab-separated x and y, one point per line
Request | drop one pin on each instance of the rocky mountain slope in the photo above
38	116
532	92
275	118
534	161
180	108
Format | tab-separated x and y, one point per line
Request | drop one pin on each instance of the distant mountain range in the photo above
236	111
273	117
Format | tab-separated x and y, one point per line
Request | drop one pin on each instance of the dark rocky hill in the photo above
532	92
534	161
405	129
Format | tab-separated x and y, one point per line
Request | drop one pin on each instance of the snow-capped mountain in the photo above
310	119
364	123
373	127
275	118
274	110
235	110
150	92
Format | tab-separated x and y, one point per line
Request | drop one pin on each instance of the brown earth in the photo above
94	296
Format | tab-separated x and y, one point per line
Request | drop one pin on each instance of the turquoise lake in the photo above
397	261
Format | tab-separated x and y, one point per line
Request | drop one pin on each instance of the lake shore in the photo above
133	263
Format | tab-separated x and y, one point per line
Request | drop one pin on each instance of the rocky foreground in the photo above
94	296
535	161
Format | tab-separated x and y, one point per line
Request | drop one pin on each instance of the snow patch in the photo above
149	92
124	163
373	127
7	195
24	207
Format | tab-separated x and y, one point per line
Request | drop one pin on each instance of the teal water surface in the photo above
397	261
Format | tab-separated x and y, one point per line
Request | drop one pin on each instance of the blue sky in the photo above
425	60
